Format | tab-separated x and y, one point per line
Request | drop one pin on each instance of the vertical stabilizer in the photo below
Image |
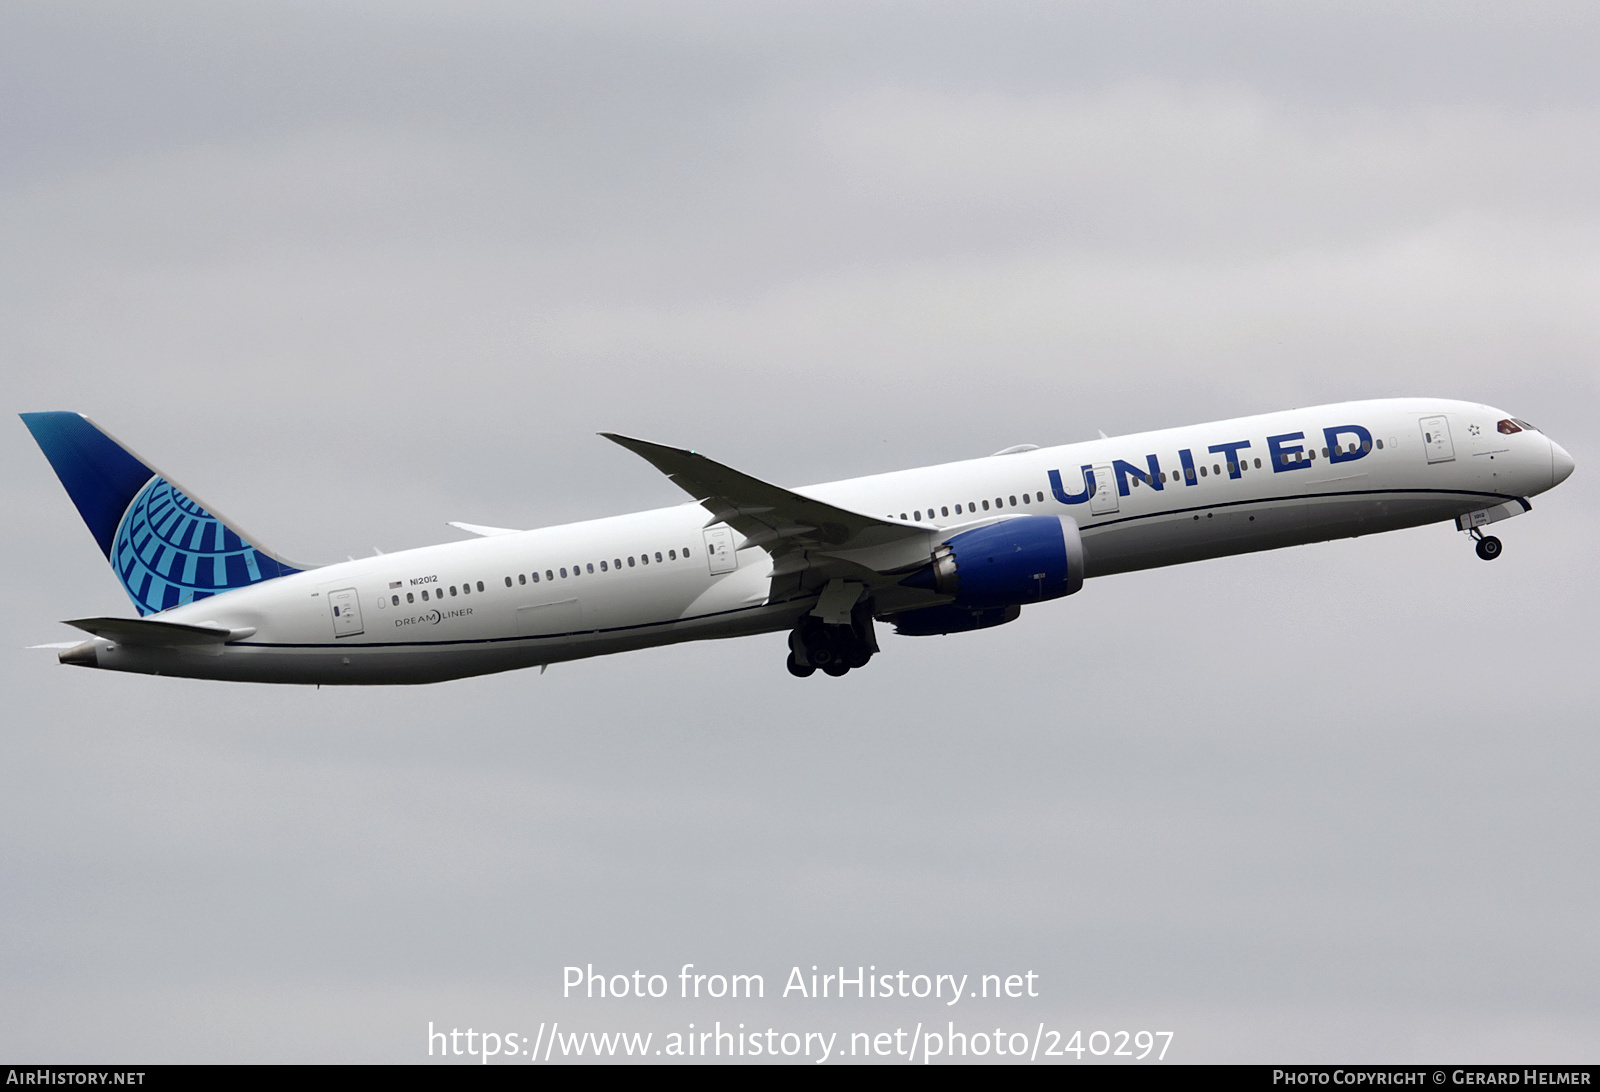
164	545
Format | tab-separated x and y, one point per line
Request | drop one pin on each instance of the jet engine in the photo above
992	571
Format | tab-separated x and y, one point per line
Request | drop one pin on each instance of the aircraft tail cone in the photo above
83	655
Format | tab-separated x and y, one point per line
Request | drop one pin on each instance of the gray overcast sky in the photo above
352	270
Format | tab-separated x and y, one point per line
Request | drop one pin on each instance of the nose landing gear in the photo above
1488	547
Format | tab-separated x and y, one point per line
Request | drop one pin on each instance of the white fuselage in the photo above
616	595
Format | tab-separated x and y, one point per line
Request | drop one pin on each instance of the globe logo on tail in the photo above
170	551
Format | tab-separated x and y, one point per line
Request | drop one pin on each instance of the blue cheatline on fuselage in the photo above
164	546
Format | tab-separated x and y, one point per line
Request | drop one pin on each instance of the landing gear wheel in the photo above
834	648
1488	547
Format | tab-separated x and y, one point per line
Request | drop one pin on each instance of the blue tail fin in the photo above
165	547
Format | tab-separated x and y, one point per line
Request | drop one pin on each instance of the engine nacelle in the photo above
1026	559
936	621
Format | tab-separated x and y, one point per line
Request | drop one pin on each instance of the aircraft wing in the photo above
767	515
480	529
813	545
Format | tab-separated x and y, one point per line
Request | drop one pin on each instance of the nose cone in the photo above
1561	464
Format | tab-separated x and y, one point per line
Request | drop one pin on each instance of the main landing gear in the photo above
835	649
1488	546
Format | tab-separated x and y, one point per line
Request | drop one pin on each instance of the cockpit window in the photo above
1524	424
1509	426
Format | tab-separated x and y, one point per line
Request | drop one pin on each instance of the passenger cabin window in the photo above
686	551
409	599
589	567
672	555
616	563
508	581
658	555
943	511
602	566
985	506
630	561
535	577
522	578
394	600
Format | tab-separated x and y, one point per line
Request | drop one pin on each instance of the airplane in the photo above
936	550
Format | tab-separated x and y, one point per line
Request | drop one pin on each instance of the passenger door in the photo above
719	550
1436	439
1105	492
345	608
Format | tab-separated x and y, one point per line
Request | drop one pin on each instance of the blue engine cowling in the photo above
936	621
991	570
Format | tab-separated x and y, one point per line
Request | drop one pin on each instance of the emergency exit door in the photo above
1436	439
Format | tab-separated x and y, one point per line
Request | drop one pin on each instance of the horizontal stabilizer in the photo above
146	631
480	529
